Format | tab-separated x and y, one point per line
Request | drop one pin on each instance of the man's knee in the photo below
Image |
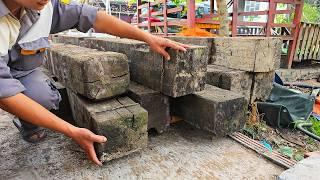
47	95
41	89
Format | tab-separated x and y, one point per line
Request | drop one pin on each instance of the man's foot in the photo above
33	135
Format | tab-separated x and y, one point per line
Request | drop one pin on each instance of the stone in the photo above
93	74
251	54
121	120
154	102
216	110
306	169
184	74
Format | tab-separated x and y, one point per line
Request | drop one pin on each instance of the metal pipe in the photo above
301	125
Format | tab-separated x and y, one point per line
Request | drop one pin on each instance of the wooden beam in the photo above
223	18
293	44
191	16
165	18
257	13
271	15
283	25
149	17
242	23
171	10
289	1
234	18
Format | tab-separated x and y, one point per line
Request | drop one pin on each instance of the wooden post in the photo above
165	18
149	17
271	14
138	12
223	18
211	6
235	18
295	32
191	22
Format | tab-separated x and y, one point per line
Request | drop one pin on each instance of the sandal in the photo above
33	135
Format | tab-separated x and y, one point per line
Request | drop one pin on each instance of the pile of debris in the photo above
120	88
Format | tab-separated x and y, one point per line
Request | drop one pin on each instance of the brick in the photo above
215	110
182	75
93	74
230	79
155	103
121	120
248	54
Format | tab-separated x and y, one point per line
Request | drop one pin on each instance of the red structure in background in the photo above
293	28
207	21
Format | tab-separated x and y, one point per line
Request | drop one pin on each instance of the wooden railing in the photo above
164	13
238	27
308	43
270	26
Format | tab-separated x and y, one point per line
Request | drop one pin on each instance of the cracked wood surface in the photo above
94	74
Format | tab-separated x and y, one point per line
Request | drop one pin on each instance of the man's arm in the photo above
109	24
84	17
30	111
12	100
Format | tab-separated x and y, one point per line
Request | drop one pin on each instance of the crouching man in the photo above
25	91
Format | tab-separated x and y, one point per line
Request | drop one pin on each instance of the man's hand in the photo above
109	24
30	111
85	139
159	45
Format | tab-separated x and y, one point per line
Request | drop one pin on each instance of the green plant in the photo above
311	13
315	126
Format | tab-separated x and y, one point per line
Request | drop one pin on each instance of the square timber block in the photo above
216	110
155	103
199	41
91	73
230	79
121	120
183	74
251	54
68	39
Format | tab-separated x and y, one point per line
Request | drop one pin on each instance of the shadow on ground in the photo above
180	153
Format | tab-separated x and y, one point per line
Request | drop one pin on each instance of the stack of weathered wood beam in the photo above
120	88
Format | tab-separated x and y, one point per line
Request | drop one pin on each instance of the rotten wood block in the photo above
262	86
252	54
215	110
154	102
68	39
183	74
230	79
254	86
199	41
91	73
121	120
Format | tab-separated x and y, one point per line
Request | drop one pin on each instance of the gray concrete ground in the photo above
180	153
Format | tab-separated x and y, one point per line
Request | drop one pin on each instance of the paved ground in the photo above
180	153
